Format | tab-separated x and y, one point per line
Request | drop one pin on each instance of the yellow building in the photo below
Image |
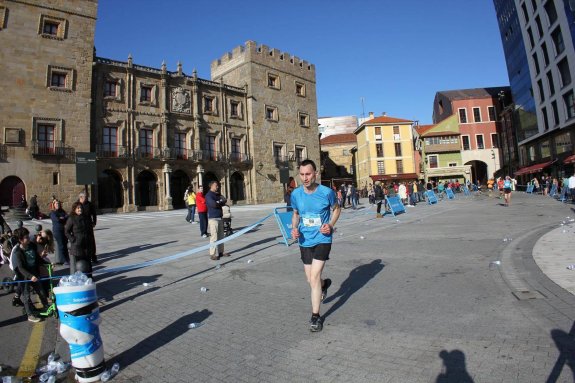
385	151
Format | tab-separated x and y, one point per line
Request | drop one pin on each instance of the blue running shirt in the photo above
314	210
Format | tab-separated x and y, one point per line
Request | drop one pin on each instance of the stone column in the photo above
168	200
200	171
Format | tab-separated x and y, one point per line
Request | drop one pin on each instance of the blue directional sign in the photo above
449	193
395	205
431	197
530	188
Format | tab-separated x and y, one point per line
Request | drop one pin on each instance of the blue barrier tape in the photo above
164	259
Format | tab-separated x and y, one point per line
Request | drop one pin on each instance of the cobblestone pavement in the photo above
415	300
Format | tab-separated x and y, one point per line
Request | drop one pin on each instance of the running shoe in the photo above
33	318
316	323
326	284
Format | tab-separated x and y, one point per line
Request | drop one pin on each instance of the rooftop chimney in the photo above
384	114
370	115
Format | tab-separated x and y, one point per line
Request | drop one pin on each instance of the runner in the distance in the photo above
312	223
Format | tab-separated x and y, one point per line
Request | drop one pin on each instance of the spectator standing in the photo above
215	201
59	218
191	205
33	208
89	212
4	225
202	212
572	187
78	229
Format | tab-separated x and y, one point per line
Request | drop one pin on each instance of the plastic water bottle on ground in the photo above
194	325
146	284
250	260
105	376
203	289
115	369
571	267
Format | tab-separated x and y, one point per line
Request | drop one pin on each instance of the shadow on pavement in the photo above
454	370
565	343
11	321
130	250
160	339
117	285
357	278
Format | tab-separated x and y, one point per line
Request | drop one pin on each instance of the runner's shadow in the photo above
357	278
565	343
118	284
130	250
454	368
161	338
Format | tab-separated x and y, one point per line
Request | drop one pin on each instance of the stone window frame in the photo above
273	81
70	78
153	96
214	110
9	132
240	109
243	140
3	18
58	127
282	153
274	113
301	92
119	87
62	27
304	152
303	117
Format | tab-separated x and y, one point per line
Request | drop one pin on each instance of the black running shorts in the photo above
319	252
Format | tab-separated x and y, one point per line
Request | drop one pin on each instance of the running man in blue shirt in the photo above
315	212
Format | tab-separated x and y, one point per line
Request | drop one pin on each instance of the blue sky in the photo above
395	54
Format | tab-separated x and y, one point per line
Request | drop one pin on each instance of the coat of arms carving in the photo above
181	101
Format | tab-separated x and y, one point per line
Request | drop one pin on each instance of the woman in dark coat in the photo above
59	218
77	231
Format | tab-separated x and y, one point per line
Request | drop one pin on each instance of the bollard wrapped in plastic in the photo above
79	313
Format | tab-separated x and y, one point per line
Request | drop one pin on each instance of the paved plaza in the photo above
414	298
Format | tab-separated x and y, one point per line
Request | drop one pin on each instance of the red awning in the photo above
391	177
570	159
533	168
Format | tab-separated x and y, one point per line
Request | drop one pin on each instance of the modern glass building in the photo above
537	39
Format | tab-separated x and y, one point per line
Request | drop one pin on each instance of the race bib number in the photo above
311	221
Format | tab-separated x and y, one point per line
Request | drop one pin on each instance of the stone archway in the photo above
209	176
179	182
478	171
12	189
146	189
110	192
237	188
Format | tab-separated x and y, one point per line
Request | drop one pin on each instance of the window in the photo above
525	13
110	88
569	101
271	113
494	140
545	54
273	81
534	5
380	167
299	154
378	133
541	91
180	145
550	83
146	93
539	26
545	149
208	104
479	139
563	143
433	162
234	109
303	119
531	40
477	114
399	166
557	38
531	151
551	12
452	164
555	113
564	72
465	142
300	89
536	63
110	141
491	112
2	17
396	136
379	150
60	78
279	152
146	143
52	27
236	153
211	147
45	138
55	178
462	116
545	118
398	149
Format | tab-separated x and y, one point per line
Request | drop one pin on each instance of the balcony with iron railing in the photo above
210	155
239	158
147	153
281	160
53	149
109	151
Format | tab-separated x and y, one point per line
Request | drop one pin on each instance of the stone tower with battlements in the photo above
281	113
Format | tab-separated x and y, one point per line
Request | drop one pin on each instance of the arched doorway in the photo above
478	171
179	181
11	191
146	189
209	176
237	189
110	193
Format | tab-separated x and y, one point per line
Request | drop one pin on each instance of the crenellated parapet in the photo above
262	54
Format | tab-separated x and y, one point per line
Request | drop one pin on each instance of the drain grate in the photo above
525	295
